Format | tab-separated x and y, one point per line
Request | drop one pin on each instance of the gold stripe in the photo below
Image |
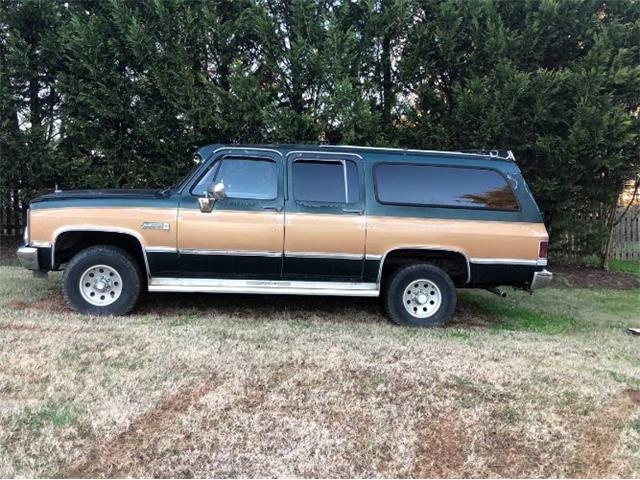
473	238
47	224
325	233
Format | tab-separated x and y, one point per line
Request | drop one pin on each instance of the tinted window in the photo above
254	179
443	186
324	181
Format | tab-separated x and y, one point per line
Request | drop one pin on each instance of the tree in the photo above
121	92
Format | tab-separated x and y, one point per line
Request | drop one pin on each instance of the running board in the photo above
278	287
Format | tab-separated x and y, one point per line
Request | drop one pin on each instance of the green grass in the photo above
50	414
635	425
592	261
508	315
627	266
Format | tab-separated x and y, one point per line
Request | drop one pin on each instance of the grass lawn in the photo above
628	266
223	385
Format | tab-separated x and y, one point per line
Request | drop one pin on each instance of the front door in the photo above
242	237
324	217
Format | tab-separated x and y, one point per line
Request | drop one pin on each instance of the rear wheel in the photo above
420	295
102	280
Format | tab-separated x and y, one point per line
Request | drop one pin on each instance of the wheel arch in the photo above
427	254
69	240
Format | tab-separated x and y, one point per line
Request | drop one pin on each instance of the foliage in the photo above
121	92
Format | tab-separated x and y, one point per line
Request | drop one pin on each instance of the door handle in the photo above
353	210
274	208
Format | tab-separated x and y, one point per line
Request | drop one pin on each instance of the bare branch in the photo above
633	198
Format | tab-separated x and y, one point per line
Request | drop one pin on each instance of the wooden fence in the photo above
626	237
11	215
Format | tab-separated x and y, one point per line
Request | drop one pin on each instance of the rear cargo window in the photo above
440	186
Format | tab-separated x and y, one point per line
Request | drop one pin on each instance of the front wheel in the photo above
420	295
102	280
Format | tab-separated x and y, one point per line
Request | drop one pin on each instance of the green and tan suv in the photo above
408	225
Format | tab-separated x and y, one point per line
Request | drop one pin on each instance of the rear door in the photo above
324	217
243	236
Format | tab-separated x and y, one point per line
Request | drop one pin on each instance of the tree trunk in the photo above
385	65
605	252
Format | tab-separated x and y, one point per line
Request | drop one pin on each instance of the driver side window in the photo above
244	178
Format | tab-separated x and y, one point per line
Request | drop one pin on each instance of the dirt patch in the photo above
633	395
37	328
599	437
588	277
53	304
136	444
8	247
441	448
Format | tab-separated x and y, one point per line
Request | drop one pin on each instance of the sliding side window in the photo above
325	182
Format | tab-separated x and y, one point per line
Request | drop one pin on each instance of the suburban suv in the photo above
409	225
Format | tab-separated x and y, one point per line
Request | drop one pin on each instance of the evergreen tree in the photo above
121	92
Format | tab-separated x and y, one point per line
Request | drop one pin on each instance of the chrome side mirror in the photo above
214	192
205	204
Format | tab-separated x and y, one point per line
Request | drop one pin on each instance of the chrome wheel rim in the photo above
100	285
422	298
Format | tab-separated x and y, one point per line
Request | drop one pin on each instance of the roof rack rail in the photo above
504	154
501	154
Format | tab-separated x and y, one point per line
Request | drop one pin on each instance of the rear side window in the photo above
325	181
438	186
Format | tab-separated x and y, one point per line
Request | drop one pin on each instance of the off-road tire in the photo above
118	260
400	281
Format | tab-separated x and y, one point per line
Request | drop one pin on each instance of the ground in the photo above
223	385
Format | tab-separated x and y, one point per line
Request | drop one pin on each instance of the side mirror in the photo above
214	192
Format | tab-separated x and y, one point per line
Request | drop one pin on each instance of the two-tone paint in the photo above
281	245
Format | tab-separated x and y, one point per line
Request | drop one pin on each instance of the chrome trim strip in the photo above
315	152
93	228
434	248
270	150
327	255
541	279
161	249
541	262
239	253
369	256
252	253
278	287
40	243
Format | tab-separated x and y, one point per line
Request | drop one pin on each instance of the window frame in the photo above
435	205
345	179
217	164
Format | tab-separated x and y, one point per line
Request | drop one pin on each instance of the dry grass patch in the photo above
230	385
